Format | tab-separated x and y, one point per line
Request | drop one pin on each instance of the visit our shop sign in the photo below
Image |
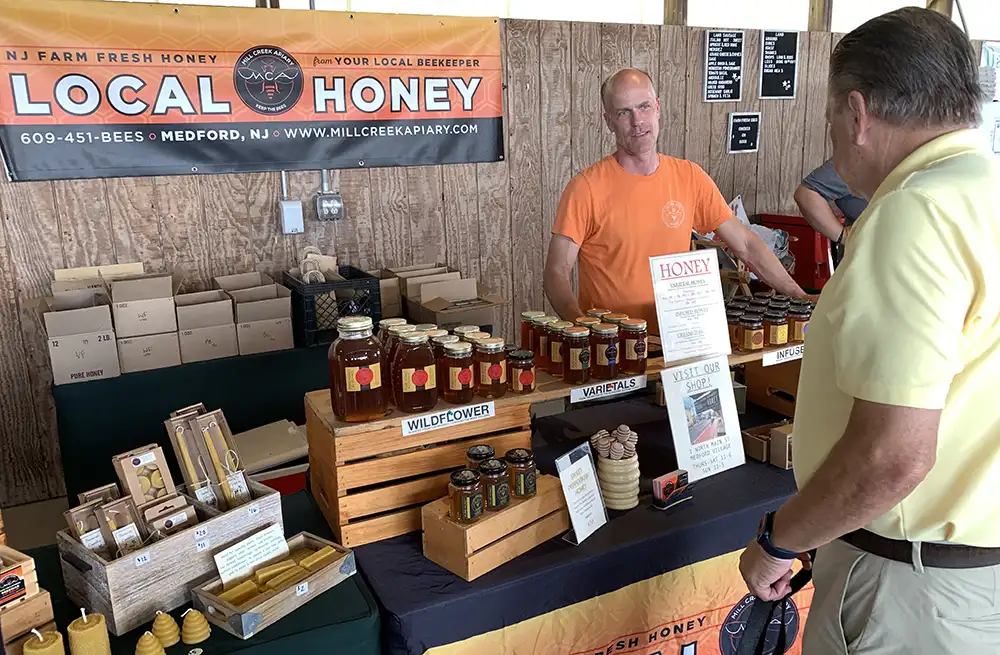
161	90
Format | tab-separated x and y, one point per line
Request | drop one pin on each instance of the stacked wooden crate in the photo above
23	604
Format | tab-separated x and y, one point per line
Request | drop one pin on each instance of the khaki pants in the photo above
866	605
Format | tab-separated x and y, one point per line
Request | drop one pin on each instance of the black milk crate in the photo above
316	307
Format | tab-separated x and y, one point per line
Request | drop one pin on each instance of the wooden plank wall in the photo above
492	221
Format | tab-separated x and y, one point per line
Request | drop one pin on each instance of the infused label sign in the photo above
459	378
418	379
363	378
492	373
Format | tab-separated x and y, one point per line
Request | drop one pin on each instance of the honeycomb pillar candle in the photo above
50	643
149	645
88	635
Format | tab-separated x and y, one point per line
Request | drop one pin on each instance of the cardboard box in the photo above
81	337
757	441
452	303
410	283
263	318
242	281
145	474
396	270
206	326
390	298
781	446
149	352
144	304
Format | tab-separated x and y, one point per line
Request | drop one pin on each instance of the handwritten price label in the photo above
142	559
202	545
200	533
302	588
253	510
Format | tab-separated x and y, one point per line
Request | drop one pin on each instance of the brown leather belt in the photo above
938	556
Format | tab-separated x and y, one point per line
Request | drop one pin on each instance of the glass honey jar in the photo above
775	329
764	295
415	384
491	368
477	454
738	303
458	370
556	359
798	323
540	341
733	319
425	327
438	342
576	351
757	306
632	341
751	332
778	306
522	472
496	484
521	371
527	327
614	318
462	330
355	361
473	337
604	351
385	324
598	312
586	321
389	350
465	491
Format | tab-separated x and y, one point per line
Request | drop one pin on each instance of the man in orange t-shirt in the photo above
636	204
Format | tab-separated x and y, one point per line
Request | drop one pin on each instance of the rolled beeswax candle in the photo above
88	635
50	643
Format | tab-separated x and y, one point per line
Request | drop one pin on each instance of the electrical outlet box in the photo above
292	221
329	206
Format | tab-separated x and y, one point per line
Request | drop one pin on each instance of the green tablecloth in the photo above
342	621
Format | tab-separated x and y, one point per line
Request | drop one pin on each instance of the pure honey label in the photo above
363	378
607	354
523	380
459	378
635	349
418	379
579	358
556	354
778	335
490	373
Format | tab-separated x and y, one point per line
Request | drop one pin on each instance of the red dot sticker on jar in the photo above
495	372
527	378
364	376
419	378
465	376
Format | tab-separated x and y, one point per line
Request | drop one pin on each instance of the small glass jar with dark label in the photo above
477	454
540	339
521	371
491	368
355	361
466	494
522	473
576	350
733	319
632	340
604	351
496	484
798	323
775	329
557	357
457	370
527	327
415	386
751	332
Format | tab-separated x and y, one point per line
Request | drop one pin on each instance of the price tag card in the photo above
253	510
142	559
302	589
93	540
204	544
583	495
201	532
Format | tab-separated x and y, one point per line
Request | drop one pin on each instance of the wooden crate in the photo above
129	590
18	578
249	619
774	387
496	538
16	647
19	618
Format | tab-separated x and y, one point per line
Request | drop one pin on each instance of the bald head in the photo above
624	80
632	111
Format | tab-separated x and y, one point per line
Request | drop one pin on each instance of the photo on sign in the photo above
704	416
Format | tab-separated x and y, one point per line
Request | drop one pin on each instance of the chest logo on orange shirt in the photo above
673	214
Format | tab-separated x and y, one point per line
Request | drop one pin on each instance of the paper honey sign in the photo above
690	308
447	418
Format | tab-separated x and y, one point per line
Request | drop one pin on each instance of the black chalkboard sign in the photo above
744	132
723	66
779	62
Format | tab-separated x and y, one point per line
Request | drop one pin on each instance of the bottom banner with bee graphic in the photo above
700	609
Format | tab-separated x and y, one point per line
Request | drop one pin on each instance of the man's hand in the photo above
767	578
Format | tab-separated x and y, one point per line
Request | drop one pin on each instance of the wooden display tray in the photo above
17	619
472	550
20	580
129	590
247	620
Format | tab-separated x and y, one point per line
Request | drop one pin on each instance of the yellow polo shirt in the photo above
912	318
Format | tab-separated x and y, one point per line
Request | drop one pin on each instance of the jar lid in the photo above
519	456
444	339
615	318
490	345
389	322
766	295
738	303
480	452
801	303
465	329
458	348
606	329
436	334
413	337
780	298
772	315
465	478
558	326
587	321
800	312
426	327
576	331
598	312
354	323
734	313
476	336
527	316
521	355
634	324
401	329
493	467
751	319
545	320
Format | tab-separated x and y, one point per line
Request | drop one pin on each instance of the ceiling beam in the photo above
675	12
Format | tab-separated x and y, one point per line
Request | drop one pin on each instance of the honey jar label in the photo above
492	373
607	354
363	378
472	507
497	495
524	483
418	379
778	335
753	339
459	378
556	354
524	380
579	359
799	330
635	349
543	344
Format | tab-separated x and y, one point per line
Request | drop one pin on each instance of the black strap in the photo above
753	641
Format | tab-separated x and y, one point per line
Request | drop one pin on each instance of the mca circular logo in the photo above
268	80
733	628
673	214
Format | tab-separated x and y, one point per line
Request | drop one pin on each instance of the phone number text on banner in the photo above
164	90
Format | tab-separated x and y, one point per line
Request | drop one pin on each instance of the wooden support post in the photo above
820	15
675	12
942	6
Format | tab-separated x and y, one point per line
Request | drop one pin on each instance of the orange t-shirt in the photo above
620	220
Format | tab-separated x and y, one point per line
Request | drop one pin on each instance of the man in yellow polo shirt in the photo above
897	422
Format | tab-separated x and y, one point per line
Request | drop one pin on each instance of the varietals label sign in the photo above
607	389
779	59
447	418
744	132
723	66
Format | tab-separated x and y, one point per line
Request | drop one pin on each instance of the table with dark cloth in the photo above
342	621
425	606
100	419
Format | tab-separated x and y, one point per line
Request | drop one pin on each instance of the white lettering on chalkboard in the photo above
723	66
779	65
744	132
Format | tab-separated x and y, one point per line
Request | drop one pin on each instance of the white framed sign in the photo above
578	477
